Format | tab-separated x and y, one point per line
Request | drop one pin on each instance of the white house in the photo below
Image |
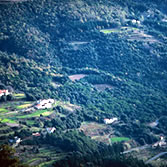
50	130
15	141
18	140
110	121
4	92
160	143
135	22
44	104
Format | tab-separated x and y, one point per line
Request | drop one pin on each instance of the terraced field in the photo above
45	156
119	139
76	77
96	131
131	34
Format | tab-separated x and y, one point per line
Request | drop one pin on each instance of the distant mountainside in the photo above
45	32
117	47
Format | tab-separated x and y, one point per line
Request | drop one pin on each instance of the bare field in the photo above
102	87
132	34
96	131
76	77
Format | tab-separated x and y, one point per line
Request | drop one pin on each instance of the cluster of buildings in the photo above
44	104
44	132
160	143
135	22
15	142
4	92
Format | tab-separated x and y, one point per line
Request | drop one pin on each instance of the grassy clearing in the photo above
119	139
5	120
61	115
118	30
24	106
109	31
3	110
36	114
19	96
47	113
30	122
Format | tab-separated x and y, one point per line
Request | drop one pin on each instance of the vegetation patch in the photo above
47	113
109	31
99	132
24	106
46	164
119	139
36	114
3	110
69	106
19	96
7	121
30	122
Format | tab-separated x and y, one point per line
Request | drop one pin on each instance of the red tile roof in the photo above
3	91
36	134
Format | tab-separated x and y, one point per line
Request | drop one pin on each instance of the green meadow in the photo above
3	110
119	139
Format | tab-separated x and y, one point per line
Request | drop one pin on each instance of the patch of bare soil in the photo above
76	77
102	87
96	131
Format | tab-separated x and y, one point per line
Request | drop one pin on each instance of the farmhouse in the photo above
44	104
4	92
37	134
135	22
110	121
160	143
16	140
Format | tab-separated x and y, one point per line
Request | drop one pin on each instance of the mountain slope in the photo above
121	44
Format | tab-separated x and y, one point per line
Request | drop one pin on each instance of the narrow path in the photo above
137	148
155	157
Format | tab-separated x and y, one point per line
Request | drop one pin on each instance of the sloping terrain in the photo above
107	57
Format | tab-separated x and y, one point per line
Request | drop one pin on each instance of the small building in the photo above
37	134
160	143
110	121
4	92
154	124
135	22
50	130
44	104
15	141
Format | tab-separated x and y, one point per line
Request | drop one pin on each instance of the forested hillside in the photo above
107	57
